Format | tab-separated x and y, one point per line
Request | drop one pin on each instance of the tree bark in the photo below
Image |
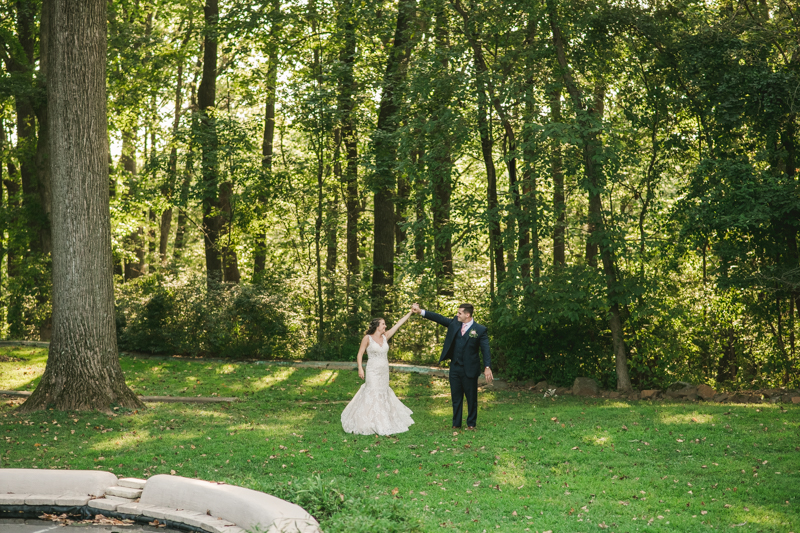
347	120
383	183
206	100
529	219
83	370
230	261
267	153
420	196
43	133
183	197
133	269
169	191
441	162
559	193
21	67
588	121
487	150
268	141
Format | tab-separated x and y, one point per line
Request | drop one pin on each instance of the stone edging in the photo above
178	502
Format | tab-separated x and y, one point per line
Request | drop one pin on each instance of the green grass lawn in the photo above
563	465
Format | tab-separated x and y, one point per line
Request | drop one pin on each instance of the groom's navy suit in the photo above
464	352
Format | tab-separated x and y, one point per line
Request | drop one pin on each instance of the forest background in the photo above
613	185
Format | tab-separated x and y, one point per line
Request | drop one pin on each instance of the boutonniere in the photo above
473	334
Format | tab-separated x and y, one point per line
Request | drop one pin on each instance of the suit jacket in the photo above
475	344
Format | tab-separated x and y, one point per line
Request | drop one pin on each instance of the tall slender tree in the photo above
209	143
385	149
589	119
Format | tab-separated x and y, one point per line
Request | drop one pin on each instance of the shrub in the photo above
166	316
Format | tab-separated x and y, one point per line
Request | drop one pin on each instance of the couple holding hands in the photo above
375	409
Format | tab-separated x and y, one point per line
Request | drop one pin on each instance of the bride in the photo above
375	409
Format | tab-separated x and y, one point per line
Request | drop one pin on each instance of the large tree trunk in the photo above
206	100
83	370
385	147
588	121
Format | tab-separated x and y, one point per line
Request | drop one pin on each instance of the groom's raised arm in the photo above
436	317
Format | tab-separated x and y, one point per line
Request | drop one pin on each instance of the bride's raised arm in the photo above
397	326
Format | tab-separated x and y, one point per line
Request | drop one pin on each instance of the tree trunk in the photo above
588	121
183	197
43	134
22	66
347	120
230	261
441	162
267	153
267	143
169	191
133	269
420	196
559	193
206	100
332	225
385	147
482	73
487	150
529	219
83	370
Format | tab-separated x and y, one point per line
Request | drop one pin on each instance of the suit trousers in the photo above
460	387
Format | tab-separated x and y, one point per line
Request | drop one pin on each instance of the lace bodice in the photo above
375	350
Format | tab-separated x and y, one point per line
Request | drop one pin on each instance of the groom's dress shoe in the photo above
456	427
471	428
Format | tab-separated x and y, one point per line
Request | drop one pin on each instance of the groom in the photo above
464	340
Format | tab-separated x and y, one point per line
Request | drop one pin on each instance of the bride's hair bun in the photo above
373	326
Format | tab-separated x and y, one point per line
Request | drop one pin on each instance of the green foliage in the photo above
365	515
165	316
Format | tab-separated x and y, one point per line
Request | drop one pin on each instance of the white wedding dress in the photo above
375	409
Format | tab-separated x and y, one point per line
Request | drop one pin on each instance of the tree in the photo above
83	370
589	119
384	146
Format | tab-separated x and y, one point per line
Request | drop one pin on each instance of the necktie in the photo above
463	329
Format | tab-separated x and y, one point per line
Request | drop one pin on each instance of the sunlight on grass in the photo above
325	377
686	418
280	375
615	405
598	440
